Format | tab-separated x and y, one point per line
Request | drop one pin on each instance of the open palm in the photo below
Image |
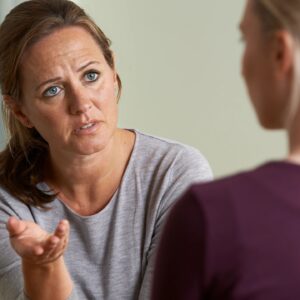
34	244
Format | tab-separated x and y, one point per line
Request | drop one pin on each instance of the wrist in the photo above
45	267
47	281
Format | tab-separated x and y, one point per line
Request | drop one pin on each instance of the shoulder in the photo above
156	143
241	183
222	189
231	213
170	153
240	193
10	206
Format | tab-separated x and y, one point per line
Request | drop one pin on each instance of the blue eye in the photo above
52	91
91	76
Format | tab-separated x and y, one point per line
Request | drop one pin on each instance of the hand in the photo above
35	245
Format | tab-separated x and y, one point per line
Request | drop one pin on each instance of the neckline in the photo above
109	206
282	162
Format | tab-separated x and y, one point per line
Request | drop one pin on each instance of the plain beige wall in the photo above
180	66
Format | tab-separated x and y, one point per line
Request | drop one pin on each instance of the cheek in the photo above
46	123
251	74
106	94
252	80
39	115
103	90
245	70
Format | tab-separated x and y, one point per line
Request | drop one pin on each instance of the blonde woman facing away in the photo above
239	237
82	202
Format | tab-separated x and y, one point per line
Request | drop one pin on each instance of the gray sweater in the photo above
111	254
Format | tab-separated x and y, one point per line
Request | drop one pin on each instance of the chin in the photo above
270	124
90	150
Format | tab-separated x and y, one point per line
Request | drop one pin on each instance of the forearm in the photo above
49	281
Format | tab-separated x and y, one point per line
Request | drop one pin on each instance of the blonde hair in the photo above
277	15
22	161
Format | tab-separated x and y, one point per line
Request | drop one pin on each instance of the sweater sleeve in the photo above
188	167
11	279
11	276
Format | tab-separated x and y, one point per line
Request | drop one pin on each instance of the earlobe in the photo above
16	110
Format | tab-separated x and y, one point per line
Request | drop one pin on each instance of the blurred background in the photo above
179	62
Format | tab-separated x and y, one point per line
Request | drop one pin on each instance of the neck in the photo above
293	132
72	169
87	183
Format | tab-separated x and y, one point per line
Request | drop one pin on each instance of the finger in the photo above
38	250
44	249
58	238
51	243
54	247
15	227
56	243
62	229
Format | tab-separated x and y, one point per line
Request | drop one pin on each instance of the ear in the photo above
283	52
116	83
17	111
113	59
113	67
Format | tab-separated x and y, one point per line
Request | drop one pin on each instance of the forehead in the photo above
247	18
65	42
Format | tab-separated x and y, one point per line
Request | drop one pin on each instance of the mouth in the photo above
87	127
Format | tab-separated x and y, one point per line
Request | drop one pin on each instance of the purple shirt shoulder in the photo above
234	238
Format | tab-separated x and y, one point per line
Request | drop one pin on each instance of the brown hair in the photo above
22	161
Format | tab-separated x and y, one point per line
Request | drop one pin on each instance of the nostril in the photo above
80	109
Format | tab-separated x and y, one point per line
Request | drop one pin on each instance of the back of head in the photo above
21	162
278	14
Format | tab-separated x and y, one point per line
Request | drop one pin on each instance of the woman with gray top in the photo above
82	202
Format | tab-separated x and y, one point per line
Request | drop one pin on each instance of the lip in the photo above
92	126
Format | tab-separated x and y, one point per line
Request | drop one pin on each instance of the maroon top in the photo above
235	238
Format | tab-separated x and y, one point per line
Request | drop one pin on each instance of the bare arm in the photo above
45	273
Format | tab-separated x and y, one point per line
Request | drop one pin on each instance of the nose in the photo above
80	102
80	108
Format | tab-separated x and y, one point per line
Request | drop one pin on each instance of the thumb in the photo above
15	226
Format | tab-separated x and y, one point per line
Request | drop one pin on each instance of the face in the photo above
260	72
68	92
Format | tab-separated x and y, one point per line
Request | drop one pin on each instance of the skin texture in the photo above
267	69
81	91
69	97
270	68
34	244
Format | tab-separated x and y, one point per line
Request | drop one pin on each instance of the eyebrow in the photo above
59	78
47	81
87	64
